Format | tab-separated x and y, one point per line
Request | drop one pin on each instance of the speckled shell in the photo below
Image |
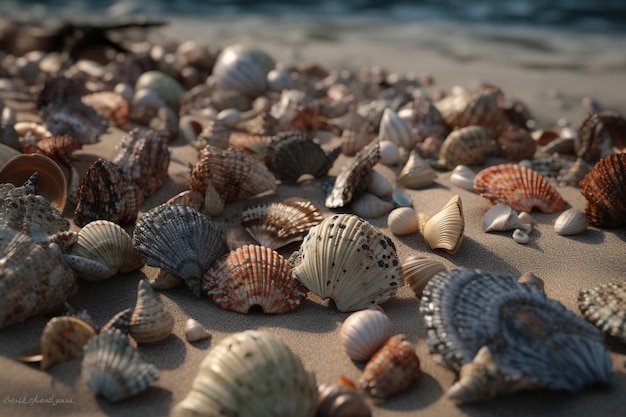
519	187
290	155
235	175
605	307
349	260
370	206
63	339
416	173
251	276
392	369
181	240
341	400
242	69
403	221
150	322
33	278
418	270
282	386
532	342
500	218
394	129
112	368
593	141
604	187
364	332
444	229
144	156
465	146
102	251
277	224
110	105
463	176
571	222
107	193
515	144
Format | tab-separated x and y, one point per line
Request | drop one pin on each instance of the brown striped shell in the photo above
63	339
465	146
515	144
593	141
151	322
604	187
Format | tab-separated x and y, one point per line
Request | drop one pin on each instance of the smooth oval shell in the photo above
401	197
150	322
463	176
364	332
403	221
392	128
167	88
604	188
571	222
378	185
418	270
370	206
465	146
63	339
389	153
444	230
500	218
416	173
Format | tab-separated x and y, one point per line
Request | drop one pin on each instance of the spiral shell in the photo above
444	230
465	146
63	339
593	141
119	322
194	332
604	187
364	332
150	322
571	222
416	173
418	270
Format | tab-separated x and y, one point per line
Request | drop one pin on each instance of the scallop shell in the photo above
604	187
243	69
247	374
349	260
277	224
500	218
463	176
253	276
194	332
416	173
444	230
392	369
150	322
519	187
505	336
605	307
571	222
393	128
63	339
465	146
364	332
110	105
378	185
593	141
102	251
418	271
114	369
370	206
180	240
515	144
341	400
403	221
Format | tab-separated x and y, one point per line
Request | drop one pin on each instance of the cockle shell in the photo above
181	240
369	206
416	173
519	187
604	187
110	105
243	69
508	336
392	369
593	141
364	332
403	221
251	276
150	322
63	339
378	185
194	332
515	144
463	176
341	400
500	218
444	230
251	374
349	260
112	368
102	251
418	270
277	224
571	222
605	307
394	129
465	146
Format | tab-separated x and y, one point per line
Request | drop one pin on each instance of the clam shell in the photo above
593	141
515	144
194	332
571	222
465	146
63	339
403	221
378	185
180	240
341	400
604	306
277	224
243	69
444	230
416	173
519	187
251	373
418	270
370	206
604	187
253	276
150	322
349	260
463	176
112	368
392	128
364	332
500	218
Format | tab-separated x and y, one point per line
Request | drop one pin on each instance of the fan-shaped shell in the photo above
463	176
63	339
519	187
418	270
416	173
243	69
364	332
251	374
604	187
403	221
571	222
501	217
277	224
253	276
150	321
605	307
444	230
349	260
394	129
465	146
370	206
181	240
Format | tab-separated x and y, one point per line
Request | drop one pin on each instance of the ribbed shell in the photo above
63	339
416	173
364	332
347	259
74	119
604	187
444	229
593	141
418	270
605	307
240	68
150	322
519	187
181	240
394	129
515	144
110	105
465	146
251	276
403	221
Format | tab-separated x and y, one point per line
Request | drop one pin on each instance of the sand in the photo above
566	264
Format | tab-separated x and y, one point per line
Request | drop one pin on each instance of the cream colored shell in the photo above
444	230
403	221
150	322
364	332
571	222
416	173
63	339
501	217
418	270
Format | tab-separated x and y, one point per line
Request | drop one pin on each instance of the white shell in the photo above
150	322
369	206
444	230
571	222
501	217
463	176
393	128
416	173
389	153
194	331
526	218
364	332
403	221
378	185
521	236
240	69
418	270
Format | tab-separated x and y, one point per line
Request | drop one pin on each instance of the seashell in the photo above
389	153
75	119
519	187
150	322
277	224
110	105
392	128
416	173
378	185
180	240
444	230
572	175
571	222
465	146
107	193
165	280
392	369
603	306
341	400
364	332
296	110
526	218
161	118
463	176
369	206
401	197
423	119
119	322
505	336
354	139
604	187
244	69
347	259
194	332
253	276
520	236
279	80
264	125
166	87
593	141
191	199
63	339
544	136
561	145
515	144
282	387
235	175
290	155
102	251
418	271
114	369
353	177
615	124
528	278
546	166
403	221
52	184
190	128
501	217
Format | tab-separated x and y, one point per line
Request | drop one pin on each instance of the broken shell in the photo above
403	221
378	185
150	322
520	236
444	230
389	153
369	206
463	176
112	368
604	188
603	306
349	260
251	373
501	217
571	222
465	146
194	332
341	400
364	332
251	276
394	129
418	270
63	339
243	69
392	369
416	173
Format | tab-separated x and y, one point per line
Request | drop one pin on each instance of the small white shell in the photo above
416	173
571	222
378	185
364	332
463	176
418	270
403	221
393	128
369	206
444	230
521	236
194	331
401	197
526	218
389	153
501	217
